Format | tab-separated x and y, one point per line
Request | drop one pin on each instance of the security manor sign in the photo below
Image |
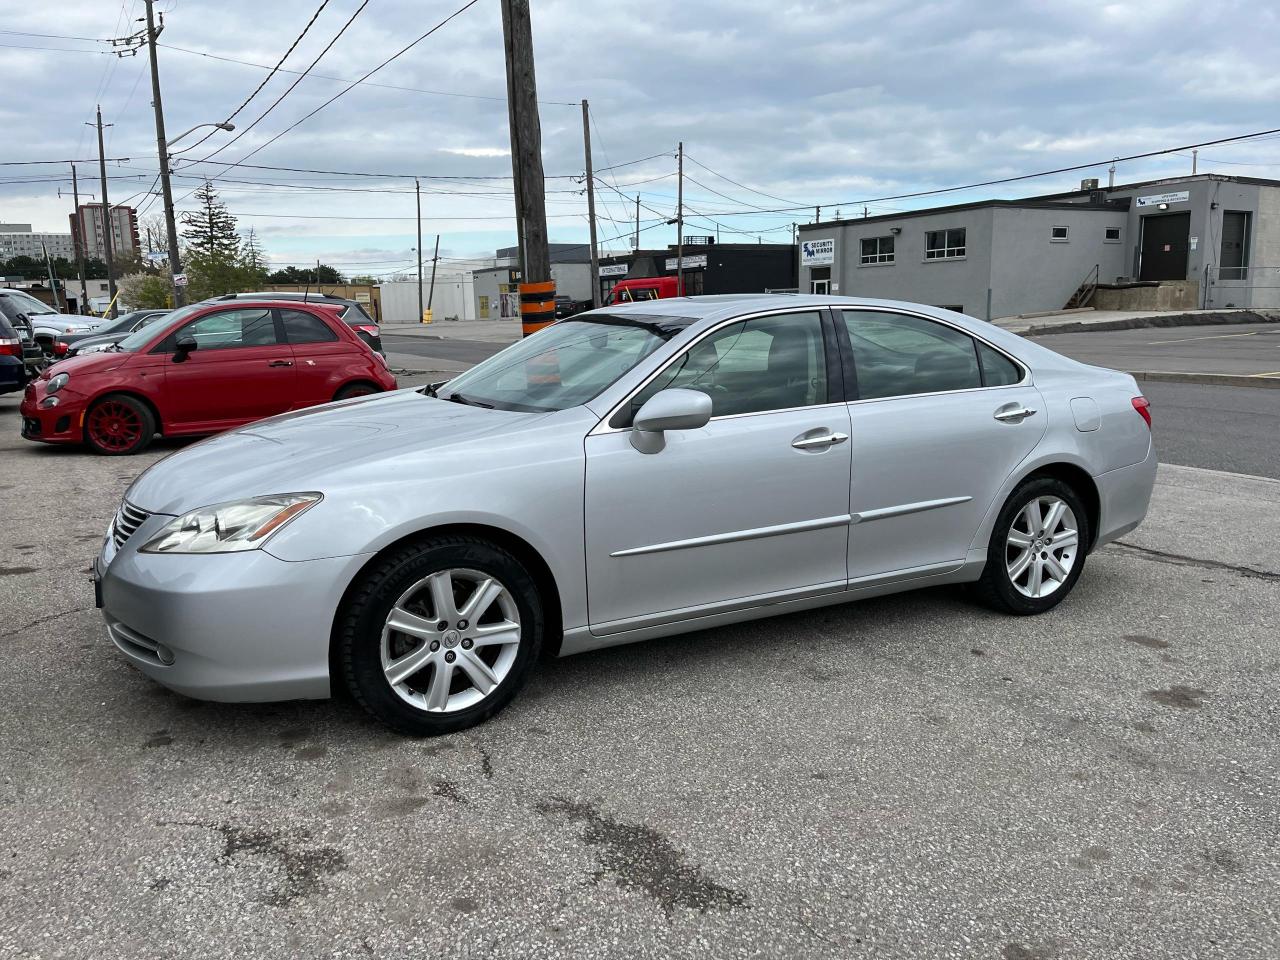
817	253
1179	196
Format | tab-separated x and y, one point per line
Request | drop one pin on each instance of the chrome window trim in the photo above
603	426
1026	371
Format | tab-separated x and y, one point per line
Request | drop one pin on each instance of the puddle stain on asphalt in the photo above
1020	951
15	571
304	867
1224	860
159	738
1184	698
1152	643
448	790
311	753
640	858
1181	560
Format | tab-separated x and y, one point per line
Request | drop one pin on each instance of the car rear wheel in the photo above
118	425
1037	548
440	635
355	390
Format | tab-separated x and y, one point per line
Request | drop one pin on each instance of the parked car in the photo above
106	334
633	472
353	314
20	358
202	369
644	288
46	323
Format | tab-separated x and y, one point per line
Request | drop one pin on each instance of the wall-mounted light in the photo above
1162	206
895	230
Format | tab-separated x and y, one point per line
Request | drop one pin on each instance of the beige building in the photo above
87	223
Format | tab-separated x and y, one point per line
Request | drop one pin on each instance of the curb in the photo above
1216	379
1156	320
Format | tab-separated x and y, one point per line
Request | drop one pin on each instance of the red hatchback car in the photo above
205	368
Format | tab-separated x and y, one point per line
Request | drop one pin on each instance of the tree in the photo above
153	226
311	275
366	279
210	228
147	291
253	260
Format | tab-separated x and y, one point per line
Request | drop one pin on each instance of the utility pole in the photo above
591	203
417	189
817	214
1195	156
170	226
680	222
106	219
1111	175
637	244
435	258
79	240
537	289
53	284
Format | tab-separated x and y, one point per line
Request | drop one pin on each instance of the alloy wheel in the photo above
450	640
1041	547
114	425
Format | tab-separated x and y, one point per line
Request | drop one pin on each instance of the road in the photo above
465	351
907	777
1220	428
1250	349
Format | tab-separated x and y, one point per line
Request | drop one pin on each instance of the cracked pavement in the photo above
910	776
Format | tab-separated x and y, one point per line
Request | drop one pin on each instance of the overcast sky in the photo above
830	103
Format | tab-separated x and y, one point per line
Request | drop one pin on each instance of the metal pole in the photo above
435	258
78	239
1195	156
417	189
106	220
680	223
637	221
53	285
170	225
591	203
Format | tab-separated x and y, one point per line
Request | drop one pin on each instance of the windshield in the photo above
119	324
29	304
146	333
563	365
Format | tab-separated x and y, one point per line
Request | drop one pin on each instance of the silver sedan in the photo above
634	472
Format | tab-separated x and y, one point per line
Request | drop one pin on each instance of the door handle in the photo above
1013	414
822	440
280	363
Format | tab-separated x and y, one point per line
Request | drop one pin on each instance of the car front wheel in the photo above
118	425
440	635
1037	548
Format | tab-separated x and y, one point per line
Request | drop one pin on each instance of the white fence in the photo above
452	298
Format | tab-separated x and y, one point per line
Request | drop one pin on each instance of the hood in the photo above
61	321
350	444
91	363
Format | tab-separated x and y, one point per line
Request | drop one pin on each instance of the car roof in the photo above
288	295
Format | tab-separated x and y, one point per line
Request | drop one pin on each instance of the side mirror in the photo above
674	409
183	347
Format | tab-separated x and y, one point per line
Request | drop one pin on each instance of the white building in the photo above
18	240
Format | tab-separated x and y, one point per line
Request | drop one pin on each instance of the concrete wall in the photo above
960	282
572	280
1165	295
452	298
1032	272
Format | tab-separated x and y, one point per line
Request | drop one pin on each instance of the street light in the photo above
224	125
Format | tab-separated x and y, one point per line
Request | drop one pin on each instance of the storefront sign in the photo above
817	253
689	263
1180	196
614	270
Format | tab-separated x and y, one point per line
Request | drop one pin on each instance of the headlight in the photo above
94	348
56	383
230	527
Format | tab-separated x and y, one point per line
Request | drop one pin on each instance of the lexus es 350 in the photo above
638	471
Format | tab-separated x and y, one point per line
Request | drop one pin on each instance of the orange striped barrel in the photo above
537	305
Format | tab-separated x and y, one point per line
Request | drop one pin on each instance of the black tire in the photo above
135	425
361	621
995	588
356	390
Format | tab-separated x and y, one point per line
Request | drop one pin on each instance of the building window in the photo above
1058	233
1112	235
944	244
1233	263
877	250
820	280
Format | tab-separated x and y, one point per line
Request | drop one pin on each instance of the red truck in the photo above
644	288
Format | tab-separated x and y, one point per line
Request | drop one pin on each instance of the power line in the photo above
267	79
384	86
736	183
403	50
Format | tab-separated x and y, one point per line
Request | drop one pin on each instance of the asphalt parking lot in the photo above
905	777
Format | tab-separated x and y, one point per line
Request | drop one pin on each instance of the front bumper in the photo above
233	627
61	424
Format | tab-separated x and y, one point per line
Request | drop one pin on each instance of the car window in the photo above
769	363
356	314
896	355
227	329
997	369
638	294
303	327
147	321
565	364
25	303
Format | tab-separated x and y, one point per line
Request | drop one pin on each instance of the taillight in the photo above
10	347
60	349
368	328
1143	406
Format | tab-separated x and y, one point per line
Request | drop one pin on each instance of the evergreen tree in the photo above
252	260
211	229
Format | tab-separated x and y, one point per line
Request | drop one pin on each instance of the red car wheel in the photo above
119	425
